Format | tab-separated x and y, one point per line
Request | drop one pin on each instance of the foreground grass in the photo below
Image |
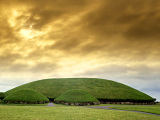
2	104
144	108
68	113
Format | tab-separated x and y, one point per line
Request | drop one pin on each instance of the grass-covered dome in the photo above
99	88
76	96
26	96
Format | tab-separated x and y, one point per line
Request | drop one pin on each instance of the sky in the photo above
111	39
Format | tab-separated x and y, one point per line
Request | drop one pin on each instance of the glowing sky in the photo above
110	39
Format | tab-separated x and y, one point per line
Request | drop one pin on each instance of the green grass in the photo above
144	108
76	96
67	113
11	104
99	88
25	95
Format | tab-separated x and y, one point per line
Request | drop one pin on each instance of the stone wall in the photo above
127	103
77	104
104	102
20	102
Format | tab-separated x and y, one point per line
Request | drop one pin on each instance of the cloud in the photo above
7	60
146	72
111	28
121	17
96	38
7	33
42	12
79	28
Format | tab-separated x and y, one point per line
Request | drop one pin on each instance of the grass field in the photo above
68	113
11	104
144	108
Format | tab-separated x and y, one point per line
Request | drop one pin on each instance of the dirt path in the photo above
107	107
50	104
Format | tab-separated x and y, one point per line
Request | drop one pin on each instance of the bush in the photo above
26	96
2	95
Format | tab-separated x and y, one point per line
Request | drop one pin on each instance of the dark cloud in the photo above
116	27
147	27
133	19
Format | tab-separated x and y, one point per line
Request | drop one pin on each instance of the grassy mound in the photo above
76	96
100	88
26	96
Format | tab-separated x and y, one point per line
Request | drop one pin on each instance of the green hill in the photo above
76	96
26	96
100	88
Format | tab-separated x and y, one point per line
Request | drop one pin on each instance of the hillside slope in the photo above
76	96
